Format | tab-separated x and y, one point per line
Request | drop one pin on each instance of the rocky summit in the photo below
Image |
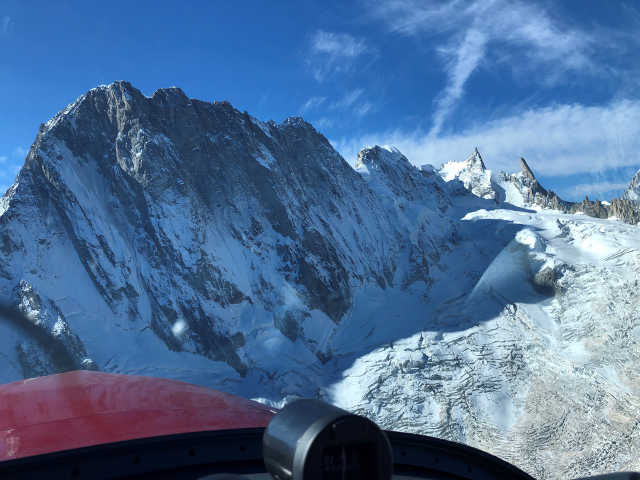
473	175
177	238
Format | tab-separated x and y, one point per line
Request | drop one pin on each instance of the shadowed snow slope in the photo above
171	237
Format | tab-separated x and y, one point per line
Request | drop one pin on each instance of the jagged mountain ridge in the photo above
523	189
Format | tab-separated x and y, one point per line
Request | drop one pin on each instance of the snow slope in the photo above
534	361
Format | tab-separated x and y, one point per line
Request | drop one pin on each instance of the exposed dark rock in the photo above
534	194
290	323
528	174
545	280
47	348
238	340
329	293
626	210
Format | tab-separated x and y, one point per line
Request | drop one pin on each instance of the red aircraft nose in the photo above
82	408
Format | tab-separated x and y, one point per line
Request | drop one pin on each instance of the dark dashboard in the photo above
197	455
307	440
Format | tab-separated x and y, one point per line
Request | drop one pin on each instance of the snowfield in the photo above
544	376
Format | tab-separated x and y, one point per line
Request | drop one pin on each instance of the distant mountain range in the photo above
528	191
172	237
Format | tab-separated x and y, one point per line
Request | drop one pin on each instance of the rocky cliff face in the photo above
626	210
202	226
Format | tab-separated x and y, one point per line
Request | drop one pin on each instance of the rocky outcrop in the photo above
626	210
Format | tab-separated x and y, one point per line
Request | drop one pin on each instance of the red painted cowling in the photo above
82	408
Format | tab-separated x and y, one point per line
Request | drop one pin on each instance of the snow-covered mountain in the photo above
473	174
523	189
158	235
172	237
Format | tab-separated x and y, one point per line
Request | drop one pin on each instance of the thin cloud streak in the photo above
466	59
312	103
474	30
337	44
6	20
363	109
348	99
332	53
353	101
323	122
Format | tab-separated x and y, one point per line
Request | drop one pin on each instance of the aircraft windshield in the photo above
422	212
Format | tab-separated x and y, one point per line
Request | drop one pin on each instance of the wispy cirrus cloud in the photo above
323	122
355	101
348	99
473	33
4	24
337	44
465	59
331	53
352	101
312	103
363	109
576	139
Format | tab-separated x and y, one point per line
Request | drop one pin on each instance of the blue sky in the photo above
554	82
